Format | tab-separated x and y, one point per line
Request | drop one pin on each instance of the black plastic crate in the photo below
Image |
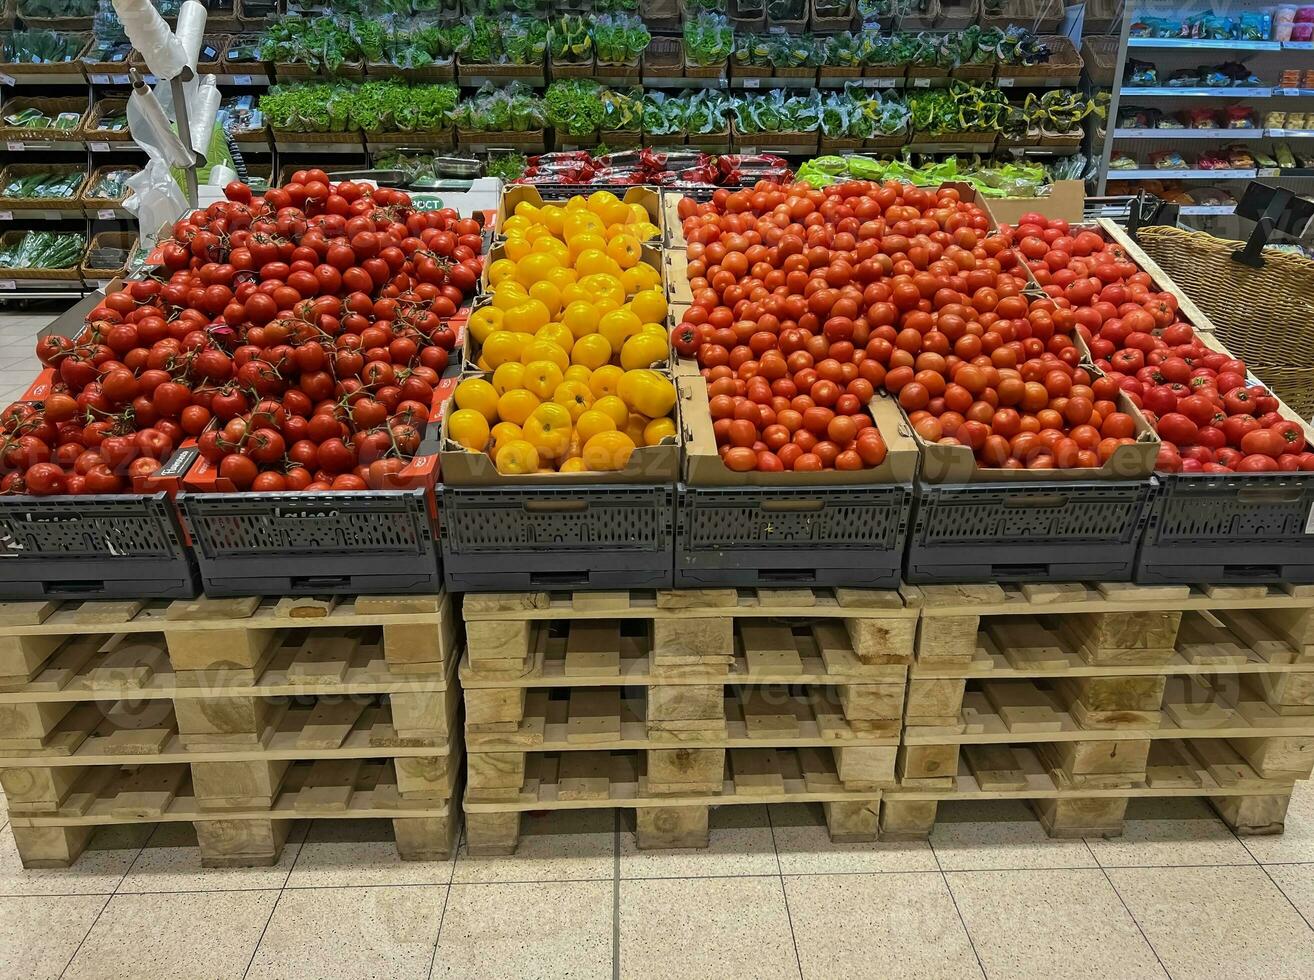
745	537
101	546
504	539
350	543
1033	532
1210	530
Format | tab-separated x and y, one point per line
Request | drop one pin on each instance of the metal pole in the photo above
1111	123
185	131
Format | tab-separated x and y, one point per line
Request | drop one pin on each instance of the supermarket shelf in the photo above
1220	44
1303	93
1153	174
1299	134
69	210
1188	134
1207	209
1237	92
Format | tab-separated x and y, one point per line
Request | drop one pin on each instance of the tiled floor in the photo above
18	363
988	896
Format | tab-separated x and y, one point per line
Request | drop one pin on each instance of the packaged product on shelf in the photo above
1141	73
1242	117
1167	160
37	47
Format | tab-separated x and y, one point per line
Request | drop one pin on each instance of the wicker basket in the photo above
621	139
661	15
52	108
93	204
1250	308
8	13
442	139
709	71
1101	16
219	42
571	141
254	15
941	15
1072	140
103	108
974	73
527	141
96	72
299	72
286	137
222	16
896	141
71	67
111	239
842	144
800	143
823	23
841	73
1064	62
529	74
664	58
10	238
1100	54
747	16
570	69
440	72
709	142
885	71
932	72
806	73
54	23
1038	16
39	203
618	75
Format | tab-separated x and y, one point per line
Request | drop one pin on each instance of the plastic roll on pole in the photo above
191	30
202	113
152	130
151	36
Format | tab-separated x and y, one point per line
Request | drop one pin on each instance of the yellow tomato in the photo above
515	224
641	276
547	294
604	284
574	464
606	380
614	409
552	217
516	247
517	405
556	333
561	277
577	203
625	251
542	378
575	396
527	210
469	428
478	395
656	329
593	351
618	214
545	350
593	261
500	347
580	318
649	305
635	426
508	377
644	230
618	326
599	201
580	223
643	350
577	372
516	457
484	321
639	212
548	430
504	432
505	298
608	451
593	421
500	270
657	430
528	315
584	243
647	392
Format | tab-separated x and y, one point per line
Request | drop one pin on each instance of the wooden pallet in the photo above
245	835
1080	697
247	709
609	779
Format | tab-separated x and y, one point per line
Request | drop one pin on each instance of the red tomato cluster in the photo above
1211	420
299	337
806	302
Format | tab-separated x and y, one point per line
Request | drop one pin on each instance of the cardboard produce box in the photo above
703	466
514	194
1066	200
462	467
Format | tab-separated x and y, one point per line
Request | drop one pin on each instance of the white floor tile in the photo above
1000	835
804	847
40	935
561	845
739	844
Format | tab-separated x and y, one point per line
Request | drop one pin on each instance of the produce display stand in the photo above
237	716
674	701
1078	698
789	530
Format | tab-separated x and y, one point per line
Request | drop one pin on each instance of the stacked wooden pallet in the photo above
673	701
238	715
1078	698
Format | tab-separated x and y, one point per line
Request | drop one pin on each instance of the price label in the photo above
883	82
6	79
426	202
1270	172
99	147
1286	91
242	80
752	83
8	284
100	79
921	83
6	216
1005	82
748	150
15	147
107	214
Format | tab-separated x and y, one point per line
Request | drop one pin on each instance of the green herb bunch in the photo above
708	40
620	39
574	106
497	108
570	39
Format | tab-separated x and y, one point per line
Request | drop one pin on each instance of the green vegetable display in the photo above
44	250
619	39
574	106
379	106
570	39
509	40
778	111
509	167
1002	179
324	42
962	107
111	185
46	9
701	112
39	48
708	40
41	185
496	109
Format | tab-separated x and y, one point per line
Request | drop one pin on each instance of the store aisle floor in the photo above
989	895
